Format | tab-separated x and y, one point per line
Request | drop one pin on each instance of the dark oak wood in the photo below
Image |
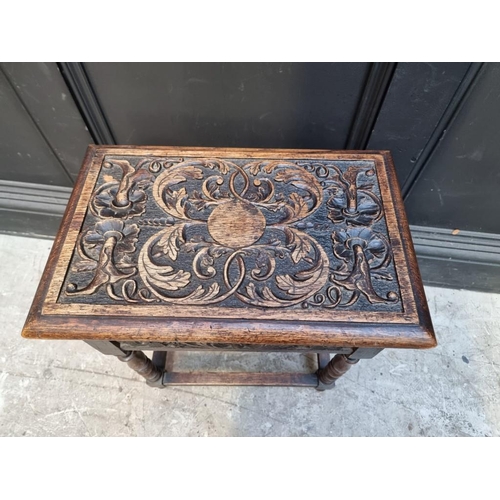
364	353
107	347
323	360
200	346
241	378
159	359
393	313
242	249
141	364
337	367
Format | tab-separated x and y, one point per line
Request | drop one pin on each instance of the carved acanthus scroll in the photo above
219	230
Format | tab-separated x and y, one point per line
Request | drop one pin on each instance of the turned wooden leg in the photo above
339	365
140	363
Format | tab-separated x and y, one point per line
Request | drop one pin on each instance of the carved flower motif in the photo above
363	254
123	198
367	209
126	237
374	245
236	232
105	250
351	203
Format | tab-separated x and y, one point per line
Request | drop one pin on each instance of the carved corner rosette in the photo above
105	250
232	231
364	254
124	197
349	200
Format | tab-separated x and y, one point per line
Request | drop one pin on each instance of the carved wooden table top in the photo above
261	249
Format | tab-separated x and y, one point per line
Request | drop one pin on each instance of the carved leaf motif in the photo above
289	285
105	272
200	295
203	264
265	264
267	166
359	281
194	245
382	275
84	265
182	175
300	179
164	277
169	242
252	292
300	243
199	202
254	167
180	198
174	202
220	165
269	296
297	287
211	188
299	206
303	282
277	205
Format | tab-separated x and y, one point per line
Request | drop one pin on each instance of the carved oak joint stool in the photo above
166	249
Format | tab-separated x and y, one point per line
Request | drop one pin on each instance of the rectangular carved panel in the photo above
235	233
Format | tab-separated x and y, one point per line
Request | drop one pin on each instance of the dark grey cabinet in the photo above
229	104
460	184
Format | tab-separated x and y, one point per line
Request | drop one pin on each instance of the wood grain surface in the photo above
275	248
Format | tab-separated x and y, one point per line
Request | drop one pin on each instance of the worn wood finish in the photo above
262	248
323	360
141	364
159	364
160	359
233	347
337	367
107	347
241	378
364	353
160	373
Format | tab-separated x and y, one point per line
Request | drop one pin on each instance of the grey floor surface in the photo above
63	388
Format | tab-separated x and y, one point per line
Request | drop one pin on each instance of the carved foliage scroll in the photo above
265	233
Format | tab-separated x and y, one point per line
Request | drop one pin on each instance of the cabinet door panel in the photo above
43	92
460	185
289	105
25	155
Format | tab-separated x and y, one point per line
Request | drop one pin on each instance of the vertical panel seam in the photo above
86	99
373	95
37	126
456	103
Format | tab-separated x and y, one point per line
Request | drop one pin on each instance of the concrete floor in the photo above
65	388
